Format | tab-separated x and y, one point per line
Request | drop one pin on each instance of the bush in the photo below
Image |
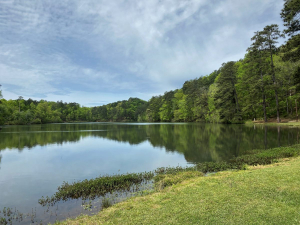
106	203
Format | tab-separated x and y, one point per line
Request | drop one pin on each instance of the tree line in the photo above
30	111
264	84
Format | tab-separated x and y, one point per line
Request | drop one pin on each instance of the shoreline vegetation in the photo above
262	186
90	189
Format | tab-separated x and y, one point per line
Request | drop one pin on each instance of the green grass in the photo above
284	122
164	180
259	195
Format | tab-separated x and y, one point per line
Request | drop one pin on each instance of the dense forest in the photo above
264	84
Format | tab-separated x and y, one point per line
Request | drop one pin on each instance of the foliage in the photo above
290	15
3	114
228	99
29	111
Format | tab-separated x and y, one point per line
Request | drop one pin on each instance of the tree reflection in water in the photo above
198	142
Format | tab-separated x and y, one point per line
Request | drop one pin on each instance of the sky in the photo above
95	52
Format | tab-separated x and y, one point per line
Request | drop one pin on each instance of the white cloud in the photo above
121	48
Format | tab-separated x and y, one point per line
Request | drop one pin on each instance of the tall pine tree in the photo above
268	40
228	100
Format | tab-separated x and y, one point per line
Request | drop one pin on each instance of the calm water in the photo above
35	160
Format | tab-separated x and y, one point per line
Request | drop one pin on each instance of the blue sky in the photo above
95	52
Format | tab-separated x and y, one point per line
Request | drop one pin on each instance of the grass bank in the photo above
273	122
268	194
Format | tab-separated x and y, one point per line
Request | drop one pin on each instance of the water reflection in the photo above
36	159
198	142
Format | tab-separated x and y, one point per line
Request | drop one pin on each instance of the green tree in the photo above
181	111
291	16
254	77
228	100
19	101
3	109
288	83
152	112
200	97
44	112
166	112
200	108
268	40
3	114
213	114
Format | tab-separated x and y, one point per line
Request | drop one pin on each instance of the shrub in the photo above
106	203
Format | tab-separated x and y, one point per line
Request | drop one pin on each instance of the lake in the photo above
36	159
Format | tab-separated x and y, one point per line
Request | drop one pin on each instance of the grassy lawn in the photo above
292	123
273	122
259	195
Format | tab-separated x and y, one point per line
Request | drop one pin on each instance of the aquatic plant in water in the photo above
90	189
10	215
106	203
162	177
